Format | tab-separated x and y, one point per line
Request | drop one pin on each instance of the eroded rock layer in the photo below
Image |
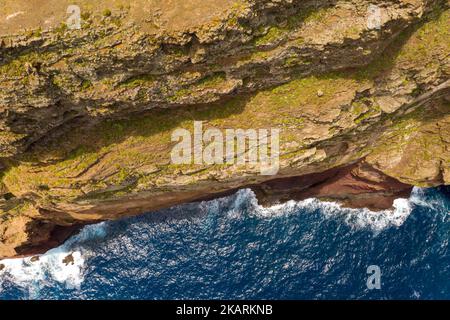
86	115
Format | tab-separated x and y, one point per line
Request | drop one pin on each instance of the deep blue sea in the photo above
232	248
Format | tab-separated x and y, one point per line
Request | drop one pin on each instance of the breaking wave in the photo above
356	218
63	264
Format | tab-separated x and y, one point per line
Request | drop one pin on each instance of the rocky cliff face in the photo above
86	115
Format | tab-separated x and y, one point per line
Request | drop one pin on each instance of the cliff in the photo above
87	114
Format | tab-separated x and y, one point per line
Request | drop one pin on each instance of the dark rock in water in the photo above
2	266
68	260
34	259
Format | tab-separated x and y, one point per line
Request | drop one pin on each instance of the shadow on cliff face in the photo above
31	62
80	129
77	136
45	236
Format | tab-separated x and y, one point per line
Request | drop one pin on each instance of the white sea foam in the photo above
51	266
356	218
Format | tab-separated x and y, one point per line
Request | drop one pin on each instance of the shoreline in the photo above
353	186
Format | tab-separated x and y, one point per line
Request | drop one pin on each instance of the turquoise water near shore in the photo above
232	248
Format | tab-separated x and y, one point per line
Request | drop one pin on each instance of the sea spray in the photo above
357	218
63	264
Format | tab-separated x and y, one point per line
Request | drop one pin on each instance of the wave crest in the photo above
356	218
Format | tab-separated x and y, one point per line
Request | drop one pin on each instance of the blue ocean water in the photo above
232	248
